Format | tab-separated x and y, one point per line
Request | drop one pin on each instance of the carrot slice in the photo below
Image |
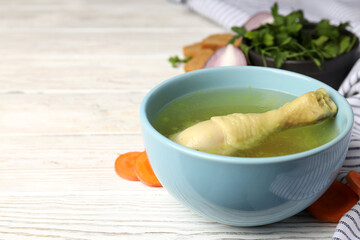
124	165
353	179
144	171
334	203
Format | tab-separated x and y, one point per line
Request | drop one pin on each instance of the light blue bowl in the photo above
243	191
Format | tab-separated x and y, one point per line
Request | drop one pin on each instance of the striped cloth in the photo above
228	13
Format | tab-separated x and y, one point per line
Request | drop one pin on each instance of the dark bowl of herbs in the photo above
320	50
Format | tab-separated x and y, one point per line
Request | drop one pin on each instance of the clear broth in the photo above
202	105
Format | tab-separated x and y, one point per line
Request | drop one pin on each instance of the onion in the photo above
257	20
227	56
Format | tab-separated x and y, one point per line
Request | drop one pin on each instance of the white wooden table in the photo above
72	76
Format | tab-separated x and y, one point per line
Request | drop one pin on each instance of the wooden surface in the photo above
72	76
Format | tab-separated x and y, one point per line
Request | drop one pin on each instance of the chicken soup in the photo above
200	106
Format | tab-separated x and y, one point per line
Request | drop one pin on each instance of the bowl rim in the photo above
243	160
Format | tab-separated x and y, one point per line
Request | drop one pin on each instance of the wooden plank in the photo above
97	203
145	214
29	181
75	3
70	113
56	4
92	14
75	44
92	57
24	74
69	151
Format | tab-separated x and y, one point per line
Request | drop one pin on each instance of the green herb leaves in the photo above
175	61
323	28
293	37
330	43
239	32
